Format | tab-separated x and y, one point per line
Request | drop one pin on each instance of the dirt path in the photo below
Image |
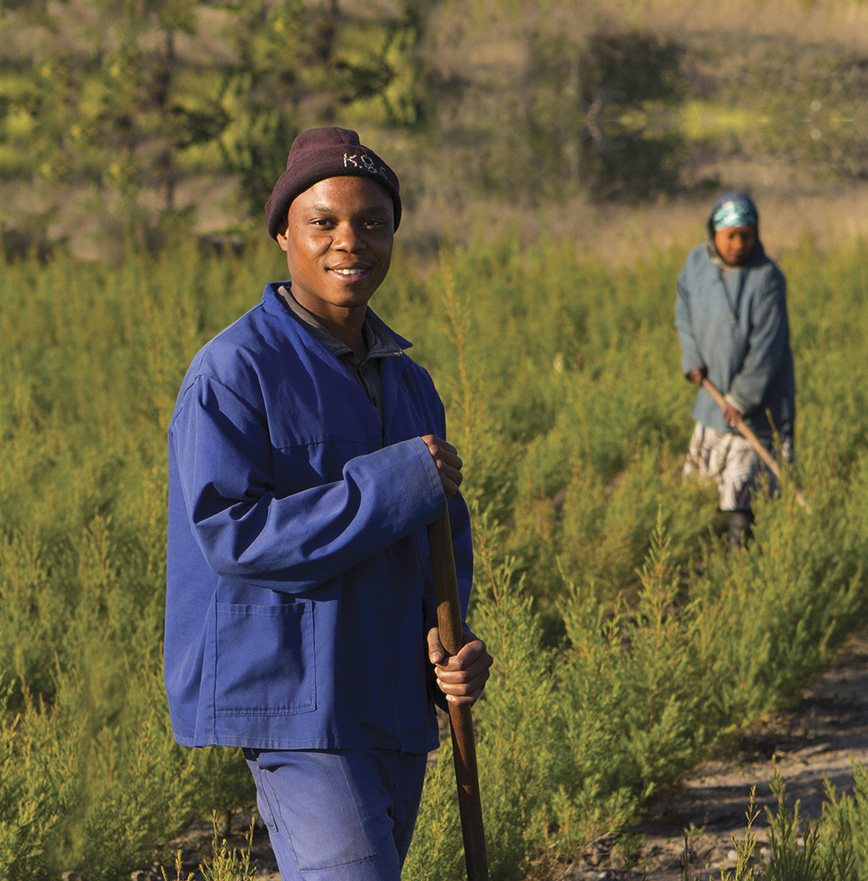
815	742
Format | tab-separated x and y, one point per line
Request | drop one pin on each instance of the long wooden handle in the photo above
752	439
460	718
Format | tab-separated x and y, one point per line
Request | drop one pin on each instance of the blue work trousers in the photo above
341	815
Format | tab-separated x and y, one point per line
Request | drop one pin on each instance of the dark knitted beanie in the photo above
319	153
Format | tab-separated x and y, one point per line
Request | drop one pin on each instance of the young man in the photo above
305	462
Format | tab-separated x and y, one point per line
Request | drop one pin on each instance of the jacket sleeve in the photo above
767	346
690	357
297	542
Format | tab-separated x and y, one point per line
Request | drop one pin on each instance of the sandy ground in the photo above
817	741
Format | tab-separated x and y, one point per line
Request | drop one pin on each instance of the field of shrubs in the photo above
630	641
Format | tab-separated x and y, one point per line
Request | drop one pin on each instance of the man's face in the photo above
735	244
338	244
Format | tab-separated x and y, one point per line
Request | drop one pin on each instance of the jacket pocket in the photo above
265	660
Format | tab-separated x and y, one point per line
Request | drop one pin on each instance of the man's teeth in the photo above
349	271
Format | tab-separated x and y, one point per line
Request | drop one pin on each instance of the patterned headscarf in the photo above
734	209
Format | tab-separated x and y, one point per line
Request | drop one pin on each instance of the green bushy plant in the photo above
800	849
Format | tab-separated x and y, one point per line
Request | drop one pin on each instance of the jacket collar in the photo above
274	304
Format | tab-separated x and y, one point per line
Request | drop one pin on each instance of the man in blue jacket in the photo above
305	461
731	317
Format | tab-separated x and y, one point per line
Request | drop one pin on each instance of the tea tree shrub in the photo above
35	789
631	679
828	329
833	849
844	831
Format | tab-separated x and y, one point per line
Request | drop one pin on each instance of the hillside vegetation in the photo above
155	115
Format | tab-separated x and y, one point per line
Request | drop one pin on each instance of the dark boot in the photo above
740	532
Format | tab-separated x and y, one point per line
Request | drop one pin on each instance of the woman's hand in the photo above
732	415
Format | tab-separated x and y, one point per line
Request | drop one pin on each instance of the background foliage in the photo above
157	114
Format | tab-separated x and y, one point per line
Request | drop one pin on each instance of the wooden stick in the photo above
460	718
753	440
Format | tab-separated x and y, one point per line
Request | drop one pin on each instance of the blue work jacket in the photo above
299	577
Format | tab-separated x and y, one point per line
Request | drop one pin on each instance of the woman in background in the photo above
731	317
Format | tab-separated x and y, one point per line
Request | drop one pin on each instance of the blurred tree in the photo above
631	84
113	104
125	107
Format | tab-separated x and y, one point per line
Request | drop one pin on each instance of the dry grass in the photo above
490	46
843	24
618	234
